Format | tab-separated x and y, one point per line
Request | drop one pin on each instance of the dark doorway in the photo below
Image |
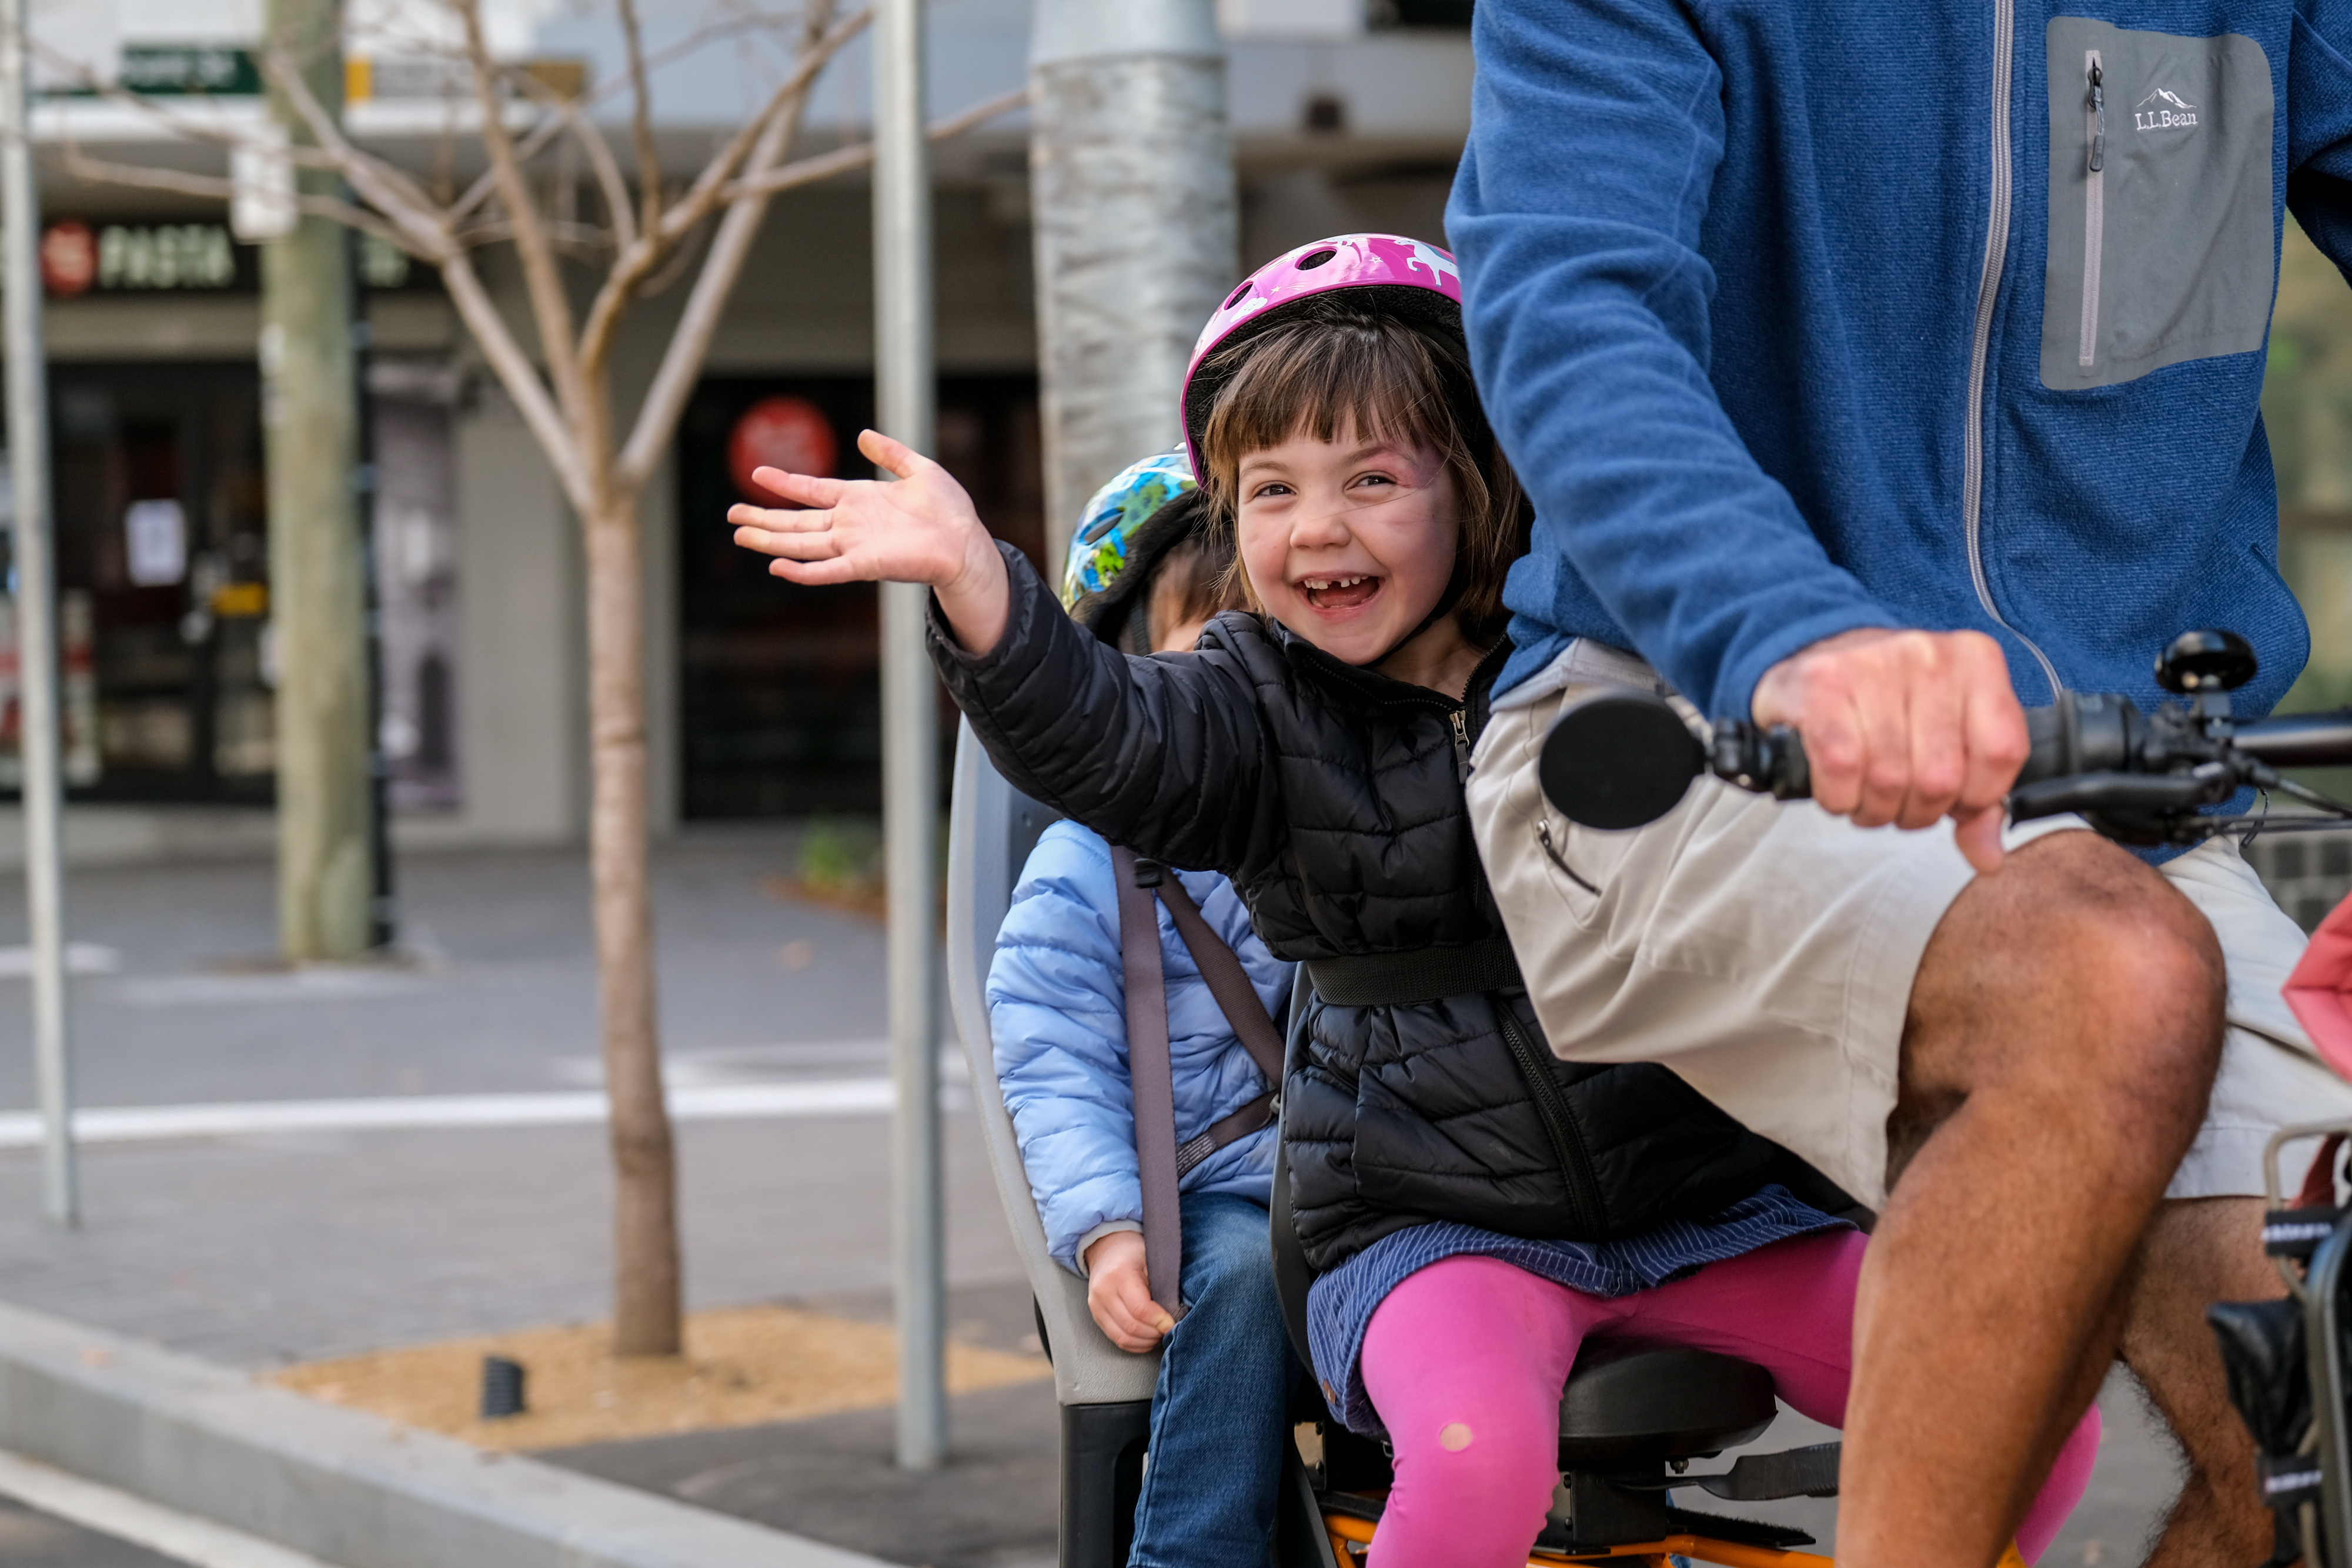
780	698
162	575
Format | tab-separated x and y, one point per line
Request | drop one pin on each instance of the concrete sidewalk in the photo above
265	1247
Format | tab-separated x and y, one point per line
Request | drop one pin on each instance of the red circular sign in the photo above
788	433
68	258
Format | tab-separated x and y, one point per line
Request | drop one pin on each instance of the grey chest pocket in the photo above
2159	201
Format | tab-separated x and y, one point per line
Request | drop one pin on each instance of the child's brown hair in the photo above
1192	581
1387	378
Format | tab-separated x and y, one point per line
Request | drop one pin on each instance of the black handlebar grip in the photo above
1622	757
1769	761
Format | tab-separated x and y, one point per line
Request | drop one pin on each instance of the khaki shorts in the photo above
1765	951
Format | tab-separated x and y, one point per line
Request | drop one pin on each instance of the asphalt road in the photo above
32	1540
266	1246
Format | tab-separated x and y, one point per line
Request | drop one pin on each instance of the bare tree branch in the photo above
689	343
688	254
100	170
601	162
843	160
520	377
185	129
705	193
580	239
641	117
536	141
776	126
542	283
384	188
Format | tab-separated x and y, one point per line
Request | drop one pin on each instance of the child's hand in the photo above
919	528
1119	1294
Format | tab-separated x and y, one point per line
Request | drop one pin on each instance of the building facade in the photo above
763	695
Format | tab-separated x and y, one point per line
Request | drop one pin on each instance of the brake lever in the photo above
2121	794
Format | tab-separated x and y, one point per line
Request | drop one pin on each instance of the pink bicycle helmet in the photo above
1398	276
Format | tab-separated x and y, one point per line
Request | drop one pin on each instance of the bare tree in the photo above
651	234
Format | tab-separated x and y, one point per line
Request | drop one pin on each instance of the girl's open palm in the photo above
919	527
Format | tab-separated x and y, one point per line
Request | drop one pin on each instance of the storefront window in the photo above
780	687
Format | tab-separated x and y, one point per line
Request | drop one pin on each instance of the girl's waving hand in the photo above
919	527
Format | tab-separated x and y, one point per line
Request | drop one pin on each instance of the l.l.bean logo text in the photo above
2163	110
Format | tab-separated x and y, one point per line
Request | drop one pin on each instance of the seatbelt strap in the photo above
1160	1163
1228	982
1149	1070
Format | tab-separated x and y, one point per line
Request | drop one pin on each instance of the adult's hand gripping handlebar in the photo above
1622	757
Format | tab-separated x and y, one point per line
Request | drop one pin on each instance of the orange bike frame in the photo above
1345	1528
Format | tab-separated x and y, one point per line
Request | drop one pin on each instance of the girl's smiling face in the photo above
1349	542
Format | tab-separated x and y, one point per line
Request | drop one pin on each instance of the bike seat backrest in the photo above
992	828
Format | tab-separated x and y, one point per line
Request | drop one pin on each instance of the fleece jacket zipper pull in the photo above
2099	110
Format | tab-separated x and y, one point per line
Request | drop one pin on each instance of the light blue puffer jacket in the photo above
1057	1007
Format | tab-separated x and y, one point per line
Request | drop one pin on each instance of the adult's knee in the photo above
2143	978
2079	971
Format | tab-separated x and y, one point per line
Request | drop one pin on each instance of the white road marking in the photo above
705	1102
103	1509
82	959
316	983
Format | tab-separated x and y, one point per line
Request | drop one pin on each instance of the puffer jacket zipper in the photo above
2094	204
1972	466
1568	1148
1466	720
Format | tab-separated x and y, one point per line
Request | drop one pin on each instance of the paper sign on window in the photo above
155	541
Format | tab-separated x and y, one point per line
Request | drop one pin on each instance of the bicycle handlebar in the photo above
1620	757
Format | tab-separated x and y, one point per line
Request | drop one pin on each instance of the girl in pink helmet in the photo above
1474	1207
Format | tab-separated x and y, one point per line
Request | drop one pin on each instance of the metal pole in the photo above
36	624
383	902
1131	182
904	399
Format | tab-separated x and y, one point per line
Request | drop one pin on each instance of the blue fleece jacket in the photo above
1058	1009
1797	316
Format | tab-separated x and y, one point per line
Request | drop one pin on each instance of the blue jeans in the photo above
1219	1416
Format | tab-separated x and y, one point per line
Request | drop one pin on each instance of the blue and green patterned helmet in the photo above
1109	540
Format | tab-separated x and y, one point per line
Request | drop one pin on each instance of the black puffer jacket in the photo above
1332	797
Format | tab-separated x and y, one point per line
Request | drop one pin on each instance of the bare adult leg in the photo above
2197	1253
2065	1026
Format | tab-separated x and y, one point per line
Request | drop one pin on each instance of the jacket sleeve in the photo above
1165	754
1596	128
2319	129
1057	1011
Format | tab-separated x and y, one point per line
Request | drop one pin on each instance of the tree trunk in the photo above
1132	180
646	1286
326	882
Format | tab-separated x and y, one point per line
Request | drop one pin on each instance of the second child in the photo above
1143	576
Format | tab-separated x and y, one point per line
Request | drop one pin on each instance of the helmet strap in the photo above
1455	585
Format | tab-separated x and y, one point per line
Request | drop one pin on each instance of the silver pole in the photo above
37	628
910	735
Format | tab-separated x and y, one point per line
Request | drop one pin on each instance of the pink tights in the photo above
1465	1359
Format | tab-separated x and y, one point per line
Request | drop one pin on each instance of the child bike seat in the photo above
1637	1404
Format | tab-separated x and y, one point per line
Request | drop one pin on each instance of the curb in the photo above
348	1488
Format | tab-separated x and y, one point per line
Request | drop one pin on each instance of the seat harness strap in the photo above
1160	1163
1425	975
